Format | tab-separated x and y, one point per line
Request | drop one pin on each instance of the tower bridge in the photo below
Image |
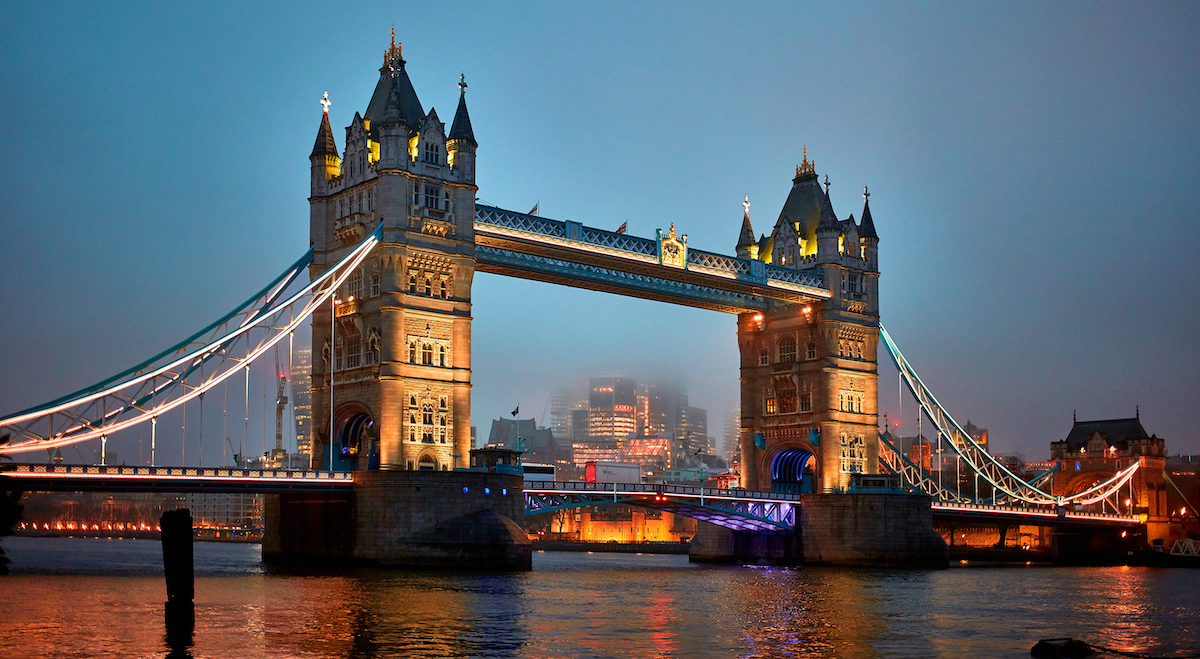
397	237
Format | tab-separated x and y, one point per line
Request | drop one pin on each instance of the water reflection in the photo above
577	605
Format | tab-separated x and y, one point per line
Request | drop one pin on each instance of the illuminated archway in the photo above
792	471
353	437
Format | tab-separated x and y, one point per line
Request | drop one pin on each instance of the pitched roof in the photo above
1114	430
803	206
325	145
868	225
460	129
393	79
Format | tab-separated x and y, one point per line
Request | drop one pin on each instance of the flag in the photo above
518	407
533	211
624	225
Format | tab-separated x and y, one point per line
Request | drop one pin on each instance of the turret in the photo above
828	230
461	145
867	229
326	164
747	248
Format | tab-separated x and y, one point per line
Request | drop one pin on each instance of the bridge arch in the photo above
793	469
355	437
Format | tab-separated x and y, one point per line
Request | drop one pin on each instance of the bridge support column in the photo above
894	530
409	519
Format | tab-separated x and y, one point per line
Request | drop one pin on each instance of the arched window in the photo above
442	403
412	401
412	418
427	354
412	283
375	284
443	289
427	414
442	437
428	286
442	421
412	355
441	355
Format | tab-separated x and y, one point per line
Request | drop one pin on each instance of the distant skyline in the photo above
1032	171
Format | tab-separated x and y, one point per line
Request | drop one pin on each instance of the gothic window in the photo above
412	354
787	401
842	401
339	353
854	454
353	353
447	205
412	401
374	284
432	196
412	283
858	349
412	436
355	286
443	289
805	402
764	357
769	406
416	194
427	354
412	419
787	350
441	355
810	351
442	403
442	436
427	414
428	286
442	420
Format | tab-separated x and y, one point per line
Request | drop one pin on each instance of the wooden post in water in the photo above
176	531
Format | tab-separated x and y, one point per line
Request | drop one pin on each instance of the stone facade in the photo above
401	326
809	372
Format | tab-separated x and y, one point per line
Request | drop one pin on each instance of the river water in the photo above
85	597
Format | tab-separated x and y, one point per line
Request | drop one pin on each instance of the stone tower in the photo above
809	372
400	354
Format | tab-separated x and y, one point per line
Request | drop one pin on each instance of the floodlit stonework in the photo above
809	372
401	329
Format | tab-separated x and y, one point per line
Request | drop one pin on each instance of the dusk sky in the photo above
1031	167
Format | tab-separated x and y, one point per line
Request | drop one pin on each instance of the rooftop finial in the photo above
462	84
746	205
866	194
325	102
827	185
806	167
392	53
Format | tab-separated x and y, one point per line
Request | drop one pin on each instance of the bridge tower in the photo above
809	372
397	342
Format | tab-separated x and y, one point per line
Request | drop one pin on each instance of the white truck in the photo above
612	472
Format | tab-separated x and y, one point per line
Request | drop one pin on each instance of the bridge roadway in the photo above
731	508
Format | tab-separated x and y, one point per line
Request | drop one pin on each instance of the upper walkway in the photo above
664	269
98	478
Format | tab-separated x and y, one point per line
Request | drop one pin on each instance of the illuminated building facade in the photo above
612	409
302	398
395	347
809	371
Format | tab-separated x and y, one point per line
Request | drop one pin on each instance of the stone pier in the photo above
408	519
877	530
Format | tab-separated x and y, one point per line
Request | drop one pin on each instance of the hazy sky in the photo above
1032	167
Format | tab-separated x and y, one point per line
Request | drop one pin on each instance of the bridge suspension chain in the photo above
975	456
186	370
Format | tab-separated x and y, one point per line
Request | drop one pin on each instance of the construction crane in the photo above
281	402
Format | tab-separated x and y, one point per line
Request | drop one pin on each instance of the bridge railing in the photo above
652	488
100	471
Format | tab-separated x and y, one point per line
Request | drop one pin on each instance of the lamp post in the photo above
333	302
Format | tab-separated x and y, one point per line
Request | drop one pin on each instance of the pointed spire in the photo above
746	237
460	129
868	225
828	221
325	145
